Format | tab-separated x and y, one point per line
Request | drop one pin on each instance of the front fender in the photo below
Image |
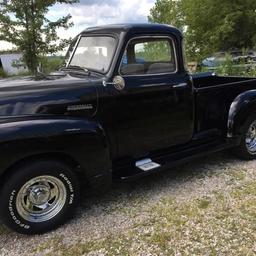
82	140
240	109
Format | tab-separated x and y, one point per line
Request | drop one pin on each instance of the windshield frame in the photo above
95	35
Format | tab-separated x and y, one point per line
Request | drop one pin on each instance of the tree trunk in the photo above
33	42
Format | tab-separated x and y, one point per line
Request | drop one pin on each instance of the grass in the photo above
221	223
3	230
110	246
225	224
3	74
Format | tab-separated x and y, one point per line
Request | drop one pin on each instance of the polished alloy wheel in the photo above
250	138
41	198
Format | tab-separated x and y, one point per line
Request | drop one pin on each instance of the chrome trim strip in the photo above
73	52
181	85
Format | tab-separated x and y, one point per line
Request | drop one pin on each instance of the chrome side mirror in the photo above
118	83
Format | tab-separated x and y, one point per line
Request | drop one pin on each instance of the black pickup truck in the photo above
123	107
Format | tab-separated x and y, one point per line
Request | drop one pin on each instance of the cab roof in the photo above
134	28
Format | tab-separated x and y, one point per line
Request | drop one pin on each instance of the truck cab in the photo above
148	85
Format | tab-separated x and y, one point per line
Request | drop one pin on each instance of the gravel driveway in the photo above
205	207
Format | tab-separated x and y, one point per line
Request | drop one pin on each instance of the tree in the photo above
24	24
169	12
210	26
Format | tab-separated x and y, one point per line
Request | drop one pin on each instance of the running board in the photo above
146	165
166	161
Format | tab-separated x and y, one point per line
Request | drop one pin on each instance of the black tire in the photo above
53	181
242	150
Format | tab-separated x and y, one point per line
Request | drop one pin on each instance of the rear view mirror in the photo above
118	83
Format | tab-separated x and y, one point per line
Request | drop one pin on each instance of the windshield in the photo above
94	53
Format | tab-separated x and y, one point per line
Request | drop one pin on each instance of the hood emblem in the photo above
80	107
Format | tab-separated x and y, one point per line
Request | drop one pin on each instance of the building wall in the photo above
7	61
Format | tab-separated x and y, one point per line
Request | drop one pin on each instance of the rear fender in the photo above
83	141
241	108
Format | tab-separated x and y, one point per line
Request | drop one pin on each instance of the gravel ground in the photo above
205	207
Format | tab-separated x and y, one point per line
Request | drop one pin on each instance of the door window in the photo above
149	56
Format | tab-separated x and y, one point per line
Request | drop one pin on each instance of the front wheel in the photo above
38	197
247	148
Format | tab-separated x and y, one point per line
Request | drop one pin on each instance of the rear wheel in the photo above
38	197
247	148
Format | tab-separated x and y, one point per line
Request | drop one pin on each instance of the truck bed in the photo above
213	98
204	80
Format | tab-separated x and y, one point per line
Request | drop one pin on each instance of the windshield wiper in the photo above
75	68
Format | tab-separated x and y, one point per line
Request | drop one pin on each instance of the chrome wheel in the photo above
41	198
250	138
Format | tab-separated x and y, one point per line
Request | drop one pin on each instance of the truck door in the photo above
155	108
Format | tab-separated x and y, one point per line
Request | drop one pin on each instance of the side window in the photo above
149	56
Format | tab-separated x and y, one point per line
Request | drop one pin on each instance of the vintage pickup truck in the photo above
123	107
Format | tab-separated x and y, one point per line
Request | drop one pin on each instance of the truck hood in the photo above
52	95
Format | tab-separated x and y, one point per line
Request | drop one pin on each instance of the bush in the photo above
3	74
50	64
229	68
240	69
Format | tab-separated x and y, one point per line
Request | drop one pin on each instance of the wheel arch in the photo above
47	156
240	110
79	143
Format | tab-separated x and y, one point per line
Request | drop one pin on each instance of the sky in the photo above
89	13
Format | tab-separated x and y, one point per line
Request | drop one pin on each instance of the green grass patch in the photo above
223	223
3	230
111	245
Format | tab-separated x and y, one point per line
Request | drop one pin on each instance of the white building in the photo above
11	63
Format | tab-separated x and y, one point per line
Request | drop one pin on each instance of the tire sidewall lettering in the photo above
11	209
70	188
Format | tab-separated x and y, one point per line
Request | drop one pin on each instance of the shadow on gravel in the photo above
189	171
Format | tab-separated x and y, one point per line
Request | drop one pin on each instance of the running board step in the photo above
146	165
167	161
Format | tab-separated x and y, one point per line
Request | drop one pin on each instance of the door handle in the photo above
181	85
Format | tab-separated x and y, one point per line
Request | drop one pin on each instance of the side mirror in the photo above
118	83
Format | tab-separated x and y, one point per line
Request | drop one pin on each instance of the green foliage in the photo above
169	12
51	64
3	74
21	73
209	26
9	51
24	24
48	64
154	51
229	68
